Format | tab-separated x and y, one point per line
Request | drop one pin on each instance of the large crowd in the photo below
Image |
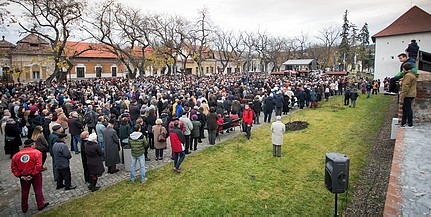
105	116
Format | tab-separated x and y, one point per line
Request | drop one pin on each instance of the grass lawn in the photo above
240	177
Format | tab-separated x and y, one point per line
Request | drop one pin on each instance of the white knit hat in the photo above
92	137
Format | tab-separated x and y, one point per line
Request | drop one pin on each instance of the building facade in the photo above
394	39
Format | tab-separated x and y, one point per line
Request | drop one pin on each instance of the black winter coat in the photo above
94	158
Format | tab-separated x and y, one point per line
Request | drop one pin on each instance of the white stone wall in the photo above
387	49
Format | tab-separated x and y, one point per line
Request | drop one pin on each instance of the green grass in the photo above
240	177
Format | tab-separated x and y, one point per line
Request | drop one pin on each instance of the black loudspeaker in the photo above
336	172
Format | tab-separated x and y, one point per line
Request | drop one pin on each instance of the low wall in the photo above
422	104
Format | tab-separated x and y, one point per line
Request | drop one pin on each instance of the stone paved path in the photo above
10	199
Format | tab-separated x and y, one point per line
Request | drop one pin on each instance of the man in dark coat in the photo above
62	158
134	112
212	126
268	107
90	119
112	147
75	129
257	108
52	138
413	50
279	99
12	137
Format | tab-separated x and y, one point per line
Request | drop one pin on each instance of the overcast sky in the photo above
279	17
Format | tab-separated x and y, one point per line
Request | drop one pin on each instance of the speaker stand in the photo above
335	209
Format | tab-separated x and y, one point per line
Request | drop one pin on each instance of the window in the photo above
207	70
36	74
211	69
80	71
98	71
114	71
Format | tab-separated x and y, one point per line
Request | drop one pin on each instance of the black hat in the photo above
62	135
111	121
56	127
28	142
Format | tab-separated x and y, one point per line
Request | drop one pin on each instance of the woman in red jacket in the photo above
177	140
247	120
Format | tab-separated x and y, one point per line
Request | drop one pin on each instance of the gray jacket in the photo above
61	155
188	123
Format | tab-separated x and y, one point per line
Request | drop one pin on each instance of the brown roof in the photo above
33	39
414	20
6	44
32	44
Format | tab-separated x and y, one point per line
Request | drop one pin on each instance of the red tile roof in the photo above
414	20
93	50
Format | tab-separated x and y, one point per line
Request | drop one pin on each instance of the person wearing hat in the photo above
52	138
277	129
94	154
27	166
62	158
112	147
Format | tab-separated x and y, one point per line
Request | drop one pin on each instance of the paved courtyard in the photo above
10	200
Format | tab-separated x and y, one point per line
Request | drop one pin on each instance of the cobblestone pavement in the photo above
10	199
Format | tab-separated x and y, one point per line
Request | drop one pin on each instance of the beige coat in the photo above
408	86
157	131
277	129
63	121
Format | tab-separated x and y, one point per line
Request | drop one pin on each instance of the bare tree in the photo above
302	43
227	47
204	29
53	20
262	46
170	32
329	37
125	32
278	52
3	12
249	41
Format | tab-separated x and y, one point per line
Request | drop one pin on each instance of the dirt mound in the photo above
296	125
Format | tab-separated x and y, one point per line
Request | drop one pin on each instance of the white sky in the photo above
277	17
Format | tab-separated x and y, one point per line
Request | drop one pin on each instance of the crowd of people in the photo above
103	117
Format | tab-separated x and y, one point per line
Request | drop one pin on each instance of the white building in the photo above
394	39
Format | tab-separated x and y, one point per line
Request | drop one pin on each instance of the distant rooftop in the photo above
298	62
414	20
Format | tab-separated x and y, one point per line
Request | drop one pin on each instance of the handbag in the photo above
161	137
